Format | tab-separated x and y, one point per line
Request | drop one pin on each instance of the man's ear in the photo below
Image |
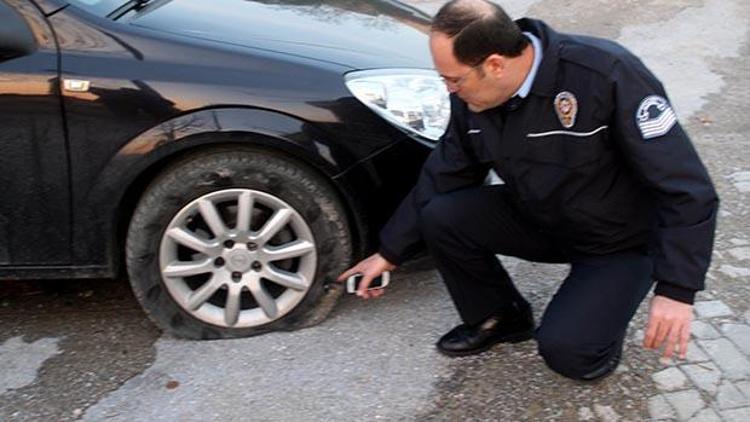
495	65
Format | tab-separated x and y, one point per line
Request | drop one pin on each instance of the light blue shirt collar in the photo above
523	92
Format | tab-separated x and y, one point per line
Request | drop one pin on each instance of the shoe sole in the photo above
513	338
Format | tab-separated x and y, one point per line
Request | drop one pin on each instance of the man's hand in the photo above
669	320
370	268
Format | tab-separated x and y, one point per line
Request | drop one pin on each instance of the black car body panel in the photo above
164	84
35	219
50	6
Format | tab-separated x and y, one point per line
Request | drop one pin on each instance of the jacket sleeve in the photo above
663	158
452	165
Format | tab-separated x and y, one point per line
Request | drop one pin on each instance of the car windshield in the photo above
99	7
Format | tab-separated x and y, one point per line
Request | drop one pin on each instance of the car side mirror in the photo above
16	38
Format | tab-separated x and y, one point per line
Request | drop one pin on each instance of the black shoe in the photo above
502	327
608	367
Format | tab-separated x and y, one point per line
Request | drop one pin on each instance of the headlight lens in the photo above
412	99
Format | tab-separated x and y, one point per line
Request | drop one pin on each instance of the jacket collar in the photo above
546	77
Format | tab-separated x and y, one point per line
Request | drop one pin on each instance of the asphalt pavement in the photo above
84	349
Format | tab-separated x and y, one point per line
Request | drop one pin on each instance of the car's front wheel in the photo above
232	243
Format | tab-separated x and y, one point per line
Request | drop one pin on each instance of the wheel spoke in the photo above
232	309
186	269
273	225
244	211
257	236
284	278
200	296
186	238
211	216
289	250
264	299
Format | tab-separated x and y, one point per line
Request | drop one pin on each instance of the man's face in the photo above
479	86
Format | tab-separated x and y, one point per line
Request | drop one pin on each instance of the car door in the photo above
34	189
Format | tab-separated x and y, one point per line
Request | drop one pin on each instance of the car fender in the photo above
101	216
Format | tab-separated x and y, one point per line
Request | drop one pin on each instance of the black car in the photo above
234	156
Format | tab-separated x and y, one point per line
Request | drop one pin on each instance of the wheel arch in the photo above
136	164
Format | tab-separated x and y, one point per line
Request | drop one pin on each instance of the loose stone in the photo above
695	353
732	362
736	415
706	376
669	379
686	403
658	408
703	330
712	309
730	397
739	334
585	414
606	413
706	415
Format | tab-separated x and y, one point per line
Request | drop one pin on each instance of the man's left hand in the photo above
669	321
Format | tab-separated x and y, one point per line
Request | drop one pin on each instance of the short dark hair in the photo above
479	29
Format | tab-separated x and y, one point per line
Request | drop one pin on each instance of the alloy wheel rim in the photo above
238	258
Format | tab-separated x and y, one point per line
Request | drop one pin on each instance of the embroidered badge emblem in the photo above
655	117
566	107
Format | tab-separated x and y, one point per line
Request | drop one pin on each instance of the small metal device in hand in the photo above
352	283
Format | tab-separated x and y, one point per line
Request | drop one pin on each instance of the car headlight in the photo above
412	99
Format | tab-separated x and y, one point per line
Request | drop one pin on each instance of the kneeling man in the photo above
597	173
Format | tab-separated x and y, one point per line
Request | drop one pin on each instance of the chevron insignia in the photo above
655	117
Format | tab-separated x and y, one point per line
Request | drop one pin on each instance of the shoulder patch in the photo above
655	117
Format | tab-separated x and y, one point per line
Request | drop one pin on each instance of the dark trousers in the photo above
584	323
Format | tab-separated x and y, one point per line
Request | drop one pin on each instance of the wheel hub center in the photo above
239	261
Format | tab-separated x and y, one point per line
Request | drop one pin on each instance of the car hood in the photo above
355	33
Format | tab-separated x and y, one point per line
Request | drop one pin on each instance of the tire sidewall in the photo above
305	191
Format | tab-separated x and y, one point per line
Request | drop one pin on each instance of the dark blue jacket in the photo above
623	175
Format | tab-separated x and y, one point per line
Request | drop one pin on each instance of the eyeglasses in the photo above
457	81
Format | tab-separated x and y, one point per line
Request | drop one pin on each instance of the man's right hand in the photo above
370	268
